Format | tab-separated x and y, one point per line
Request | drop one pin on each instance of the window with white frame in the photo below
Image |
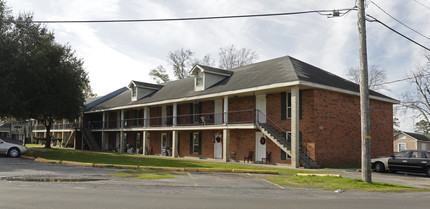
199	78
402	146
289	105
423	146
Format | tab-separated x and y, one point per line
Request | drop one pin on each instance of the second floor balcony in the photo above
201	119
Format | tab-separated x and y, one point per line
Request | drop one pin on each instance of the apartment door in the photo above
260	146
218	147
261	106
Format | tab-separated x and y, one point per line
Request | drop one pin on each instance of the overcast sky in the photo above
116	53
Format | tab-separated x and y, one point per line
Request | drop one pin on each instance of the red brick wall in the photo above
337	133
330	126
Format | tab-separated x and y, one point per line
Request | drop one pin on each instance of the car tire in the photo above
428	171
13	152
379	167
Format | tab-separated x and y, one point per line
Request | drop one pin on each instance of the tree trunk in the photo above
48	134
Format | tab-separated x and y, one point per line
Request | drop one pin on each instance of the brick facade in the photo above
329	127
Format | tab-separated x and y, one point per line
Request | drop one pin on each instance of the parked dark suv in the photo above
417	161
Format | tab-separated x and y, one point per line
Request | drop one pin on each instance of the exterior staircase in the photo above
89	139
69	137
277	135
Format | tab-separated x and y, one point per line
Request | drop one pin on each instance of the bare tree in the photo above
159	74
418	100
181	61
376	77
207	61
231	57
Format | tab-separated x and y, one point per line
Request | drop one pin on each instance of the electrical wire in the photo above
399	21
427	7
373	19
328	13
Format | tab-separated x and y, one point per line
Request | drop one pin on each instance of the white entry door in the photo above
261	106
218	147
260	148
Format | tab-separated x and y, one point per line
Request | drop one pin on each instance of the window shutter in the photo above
200	143
283	105
191	142
191	113
289	106
178	119
283	155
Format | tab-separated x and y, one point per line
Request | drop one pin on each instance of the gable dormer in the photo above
205	77
140	90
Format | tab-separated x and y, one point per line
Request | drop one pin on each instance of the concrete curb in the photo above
77	163
316	174
43	160
99	165
28	157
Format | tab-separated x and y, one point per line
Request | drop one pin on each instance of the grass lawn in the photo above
287	177
334	183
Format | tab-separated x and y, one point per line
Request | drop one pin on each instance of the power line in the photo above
399	21
401	79
328	13
422	4
373	19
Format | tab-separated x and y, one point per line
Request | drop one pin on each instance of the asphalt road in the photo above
187	190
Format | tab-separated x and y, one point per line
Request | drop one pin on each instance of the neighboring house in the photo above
302	115
408	140
4	129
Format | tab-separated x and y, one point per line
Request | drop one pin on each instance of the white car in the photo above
11	147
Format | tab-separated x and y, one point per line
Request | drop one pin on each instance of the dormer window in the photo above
206	77
140	90
133	91
199	78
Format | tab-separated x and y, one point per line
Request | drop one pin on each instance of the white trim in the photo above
398	146
247	90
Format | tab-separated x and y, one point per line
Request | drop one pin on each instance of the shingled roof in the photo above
279	72
419	137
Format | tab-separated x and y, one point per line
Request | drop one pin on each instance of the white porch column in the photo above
175	144
226	110
118	119
146	117
122	119
63	140
175	114
163	115
295	153
145	142
226	145
103	145
121	142
103	120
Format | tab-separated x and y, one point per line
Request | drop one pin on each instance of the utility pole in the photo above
364	96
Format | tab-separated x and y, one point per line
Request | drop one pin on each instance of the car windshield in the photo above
402	154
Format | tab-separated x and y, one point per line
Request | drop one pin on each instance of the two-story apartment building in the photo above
300	114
